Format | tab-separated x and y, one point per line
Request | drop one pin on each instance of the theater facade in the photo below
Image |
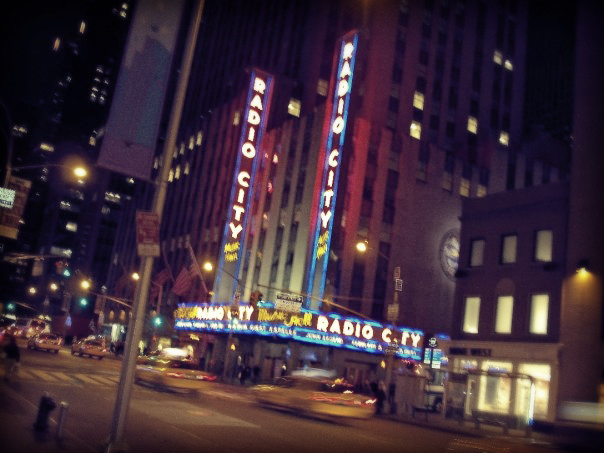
227	337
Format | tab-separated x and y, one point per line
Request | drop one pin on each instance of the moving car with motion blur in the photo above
173	369
28	327
46	342
315	395
91	346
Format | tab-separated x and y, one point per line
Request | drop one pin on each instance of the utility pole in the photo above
115	442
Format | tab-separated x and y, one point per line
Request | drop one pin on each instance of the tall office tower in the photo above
59	92
434	115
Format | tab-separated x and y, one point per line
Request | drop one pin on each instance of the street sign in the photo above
398	284
147	233
288	302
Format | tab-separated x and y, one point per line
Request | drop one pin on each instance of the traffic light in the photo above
157	321
83	301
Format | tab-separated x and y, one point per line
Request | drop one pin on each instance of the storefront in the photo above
266	342
514	378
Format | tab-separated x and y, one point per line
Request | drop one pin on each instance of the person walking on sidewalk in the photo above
12	359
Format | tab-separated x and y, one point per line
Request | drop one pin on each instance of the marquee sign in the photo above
335	132
310	326
255	117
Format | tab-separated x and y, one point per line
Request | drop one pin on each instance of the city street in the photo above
221	419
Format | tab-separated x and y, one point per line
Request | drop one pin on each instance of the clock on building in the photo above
449	253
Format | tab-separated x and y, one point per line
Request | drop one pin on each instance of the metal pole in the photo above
62	416
134	334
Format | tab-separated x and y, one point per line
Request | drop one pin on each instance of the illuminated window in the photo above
182	149
504	138
177	172
171	175
464	187
156	163
539	313
187	169
481	191
236	118
508	65
472	125
199	138
508	248
415	130
542	375
82	27
294	106
47	147
322	87
472	311
92	141
477	252
191	142
498	57
543	245
56	45
71	226
503	320
418	100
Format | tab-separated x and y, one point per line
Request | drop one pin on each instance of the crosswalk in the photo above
60	377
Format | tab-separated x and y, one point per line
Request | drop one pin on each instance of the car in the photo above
27	327
172	371
92	347
317	396
46	342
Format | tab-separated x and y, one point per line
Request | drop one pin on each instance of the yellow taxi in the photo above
317	396
171	369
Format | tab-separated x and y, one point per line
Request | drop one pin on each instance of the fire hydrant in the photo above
46	405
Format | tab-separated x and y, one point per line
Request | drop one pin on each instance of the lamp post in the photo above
391	316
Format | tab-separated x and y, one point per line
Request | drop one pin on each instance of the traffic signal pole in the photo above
116	441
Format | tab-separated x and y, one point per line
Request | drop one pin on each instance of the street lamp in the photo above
391	315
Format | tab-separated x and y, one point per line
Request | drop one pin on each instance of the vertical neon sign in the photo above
335	132
235	230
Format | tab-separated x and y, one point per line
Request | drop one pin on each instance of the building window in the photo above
470	319
504	138
322	87
498	57
477	252
508	248
539	313
418	100
543	245
503	319
464	187
508	65
71	226
472	124
415	130
294	106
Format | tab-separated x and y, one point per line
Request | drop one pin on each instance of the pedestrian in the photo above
12	359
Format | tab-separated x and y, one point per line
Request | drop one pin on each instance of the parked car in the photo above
46	342
315	396
171	372
92	347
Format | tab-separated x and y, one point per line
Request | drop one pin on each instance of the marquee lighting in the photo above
254	124
309	326
335	131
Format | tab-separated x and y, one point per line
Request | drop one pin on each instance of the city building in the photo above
433	116
58	116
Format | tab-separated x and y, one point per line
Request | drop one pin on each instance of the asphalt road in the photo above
223	419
